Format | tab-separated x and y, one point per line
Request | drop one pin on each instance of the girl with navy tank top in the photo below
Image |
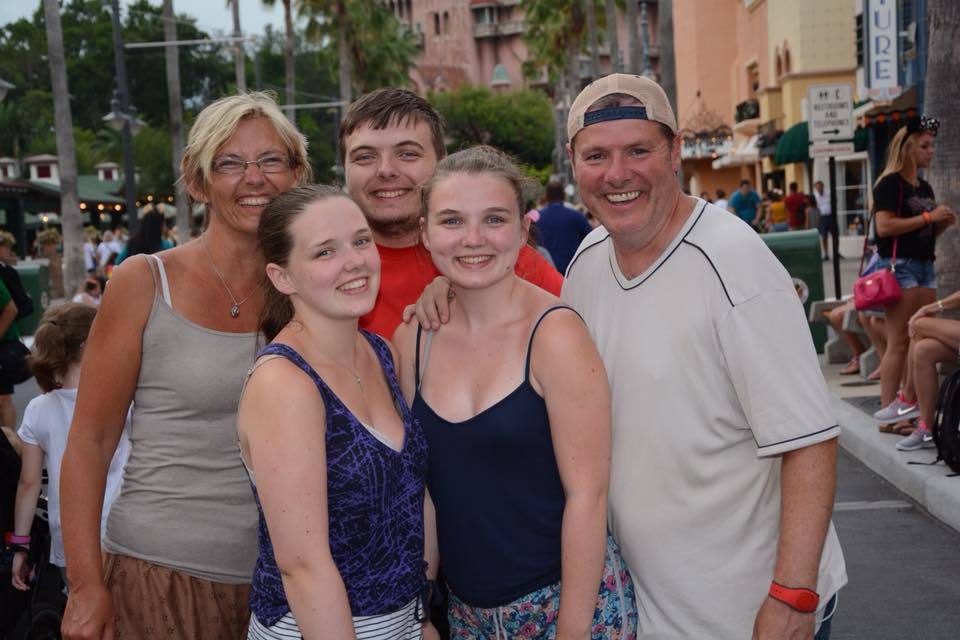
514	402
335	458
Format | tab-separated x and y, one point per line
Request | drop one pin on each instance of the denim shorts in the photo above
911	273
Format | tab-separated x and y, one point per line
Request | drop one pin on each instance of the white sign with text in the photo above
831	111
882	46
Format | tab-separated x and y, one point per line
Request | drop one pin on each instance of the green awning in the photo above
794	144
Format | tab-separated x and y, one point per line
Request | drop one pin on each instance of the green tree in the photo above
555	37
382	50
289	68
511	121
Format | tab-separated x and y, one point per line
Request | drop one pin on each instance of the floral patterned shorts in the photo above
535	614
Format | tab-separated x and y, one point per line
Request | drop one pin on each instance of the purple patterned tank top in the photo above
374	501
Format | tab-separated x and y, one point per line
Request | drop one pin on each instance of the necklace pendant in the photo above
235	311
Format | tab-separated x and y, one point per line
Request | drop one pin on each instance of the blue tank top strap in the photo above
385	357
291	354
416	359
546	312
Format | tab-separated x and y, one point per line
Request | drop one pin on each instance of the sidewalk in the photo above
930	486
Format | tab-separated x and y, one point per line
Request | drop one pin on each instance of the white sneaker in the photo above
919	439
897	410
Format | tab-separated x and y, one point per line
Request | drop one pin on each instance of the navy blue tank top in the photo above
374	503
497	491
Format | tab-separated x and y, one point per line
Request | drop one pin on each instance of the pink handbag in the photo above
879	288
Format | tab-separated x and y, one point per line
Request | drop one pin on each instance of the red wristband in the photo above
802	600
15	539
927	218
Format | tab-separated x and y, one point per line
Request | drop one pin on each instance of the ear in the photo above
675	154
196	192
280	279
573	164
423	233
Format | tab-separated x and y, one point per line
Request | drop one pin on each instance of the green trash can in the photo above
35	276
799	252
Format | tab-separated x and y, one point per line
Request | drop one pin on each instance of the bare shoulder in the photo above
281	382
560	326
403	338
129	294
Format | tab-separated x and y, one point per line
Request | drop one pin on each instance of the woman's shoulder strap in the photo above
159	273
544	314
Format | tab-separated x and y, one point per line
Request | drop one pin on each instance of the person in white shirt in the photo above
825	222
724	460
58	351
721	200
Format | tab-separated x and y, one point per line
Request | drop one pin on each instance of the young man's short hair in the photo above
391	106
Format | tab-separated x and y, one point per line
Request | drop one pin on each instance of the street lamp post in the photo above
121	118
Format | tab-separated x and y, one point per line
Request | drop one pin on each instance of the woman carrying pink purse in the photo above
908	219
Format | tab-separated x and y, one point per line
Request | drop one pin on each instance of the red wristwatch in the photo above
802	600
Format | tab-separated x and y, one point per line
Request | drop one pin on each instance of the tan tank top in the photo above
186	502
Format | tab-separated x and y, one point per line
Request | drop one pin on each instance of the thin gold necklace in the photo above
235	309
353	372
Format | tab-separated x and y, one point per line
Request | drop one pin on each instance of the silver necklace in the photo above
235	309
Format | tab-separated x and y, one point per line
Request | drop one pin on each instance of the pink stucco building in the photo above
481	42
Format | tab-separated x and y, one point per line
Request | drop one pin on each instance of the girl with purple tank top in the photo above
336	461
514	402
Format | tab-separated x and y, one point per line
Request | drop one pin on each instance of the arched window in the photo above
446	22
786	59
436	24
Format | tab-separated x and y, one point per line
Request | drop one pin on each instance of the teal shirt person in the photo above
164	245
745	206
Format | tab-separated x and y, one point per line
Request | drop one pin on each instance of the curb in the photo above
930	486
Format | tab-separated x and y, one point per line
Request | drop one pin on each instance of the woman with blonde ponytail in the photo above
908	220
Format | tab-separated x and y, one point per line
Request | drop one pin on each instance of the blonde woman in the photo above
908	219
175	334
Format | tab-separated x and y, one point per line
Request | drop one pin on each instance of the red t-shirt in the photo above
796	204
404	273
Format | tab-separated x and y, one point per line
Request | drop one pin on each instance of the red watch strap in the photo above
802	600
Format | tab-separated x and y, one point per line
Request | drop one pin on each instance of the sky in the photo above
211	15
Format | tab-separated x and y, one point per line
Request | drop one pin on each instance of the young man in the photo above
746	204
734	453
562	228
796	204
390	141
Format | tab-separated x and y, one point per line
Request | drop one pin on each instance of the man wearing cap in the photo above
724	447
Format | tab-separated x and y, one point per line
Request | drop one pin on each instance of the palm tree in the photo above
238	61
940	97
613	37
66	153
633	42
592	39
290	98
175	104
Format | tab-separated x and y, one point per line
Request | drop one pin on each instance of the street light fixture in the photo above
116	119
